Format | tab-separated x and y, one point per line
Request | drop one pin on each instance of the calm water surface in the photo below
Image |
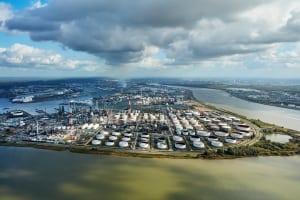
278	138
31	174
280	116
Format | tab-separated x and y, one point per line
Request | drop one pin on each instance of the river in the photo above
32	174
280	116
49	105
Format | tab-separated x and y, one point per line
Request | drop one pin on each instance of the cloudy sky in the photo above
150	38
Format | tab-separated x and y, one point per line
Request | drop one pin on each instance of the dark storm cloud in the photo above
120	30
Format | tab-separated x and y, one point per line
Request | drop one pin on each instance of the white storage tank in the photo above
180	145
177	138
143	145
236	135
221	134
126	139
96	142
195	138
116	133
216	143
123	144
230	140
100	136
109	143
113	137
203	133
198	144
162	145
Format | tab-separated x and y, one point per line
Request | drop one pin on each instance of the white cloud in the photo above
28	57
5	14
194	34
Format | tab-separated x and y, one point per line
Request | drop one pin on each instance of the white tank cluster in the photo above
144	139
177	124
191	128
90	126
133	116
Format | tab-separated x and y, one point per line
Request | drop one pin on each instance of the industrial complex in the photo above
142	119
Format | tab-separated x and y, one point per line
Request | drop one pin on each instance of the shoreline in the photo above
145	154
239	97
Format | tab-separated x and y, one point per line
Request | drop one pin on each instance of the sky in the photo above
150	38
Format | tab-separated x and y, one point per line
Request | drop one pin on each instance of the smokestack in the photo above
129	105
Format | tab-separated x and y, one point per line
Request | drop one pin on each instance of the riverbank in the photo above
274	115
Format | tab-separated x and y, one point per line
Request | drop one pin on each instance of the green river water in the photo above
33	174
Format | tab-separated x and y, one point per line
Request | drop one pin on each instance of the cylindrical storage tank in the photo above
128	134
145	135
146	140
222	124
221	134
100	136
203	133
104	132
198	127
212	138
126	139
113	138
161	139
246	134
192	133
236	135
177	138
198	144
143	145
230	140
214	127
180	145
215	120
162	145
186	133
96	126
195	138
96	142
216	143
178	132
226	128
90	126
243	127
116	133
109	143
123	144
